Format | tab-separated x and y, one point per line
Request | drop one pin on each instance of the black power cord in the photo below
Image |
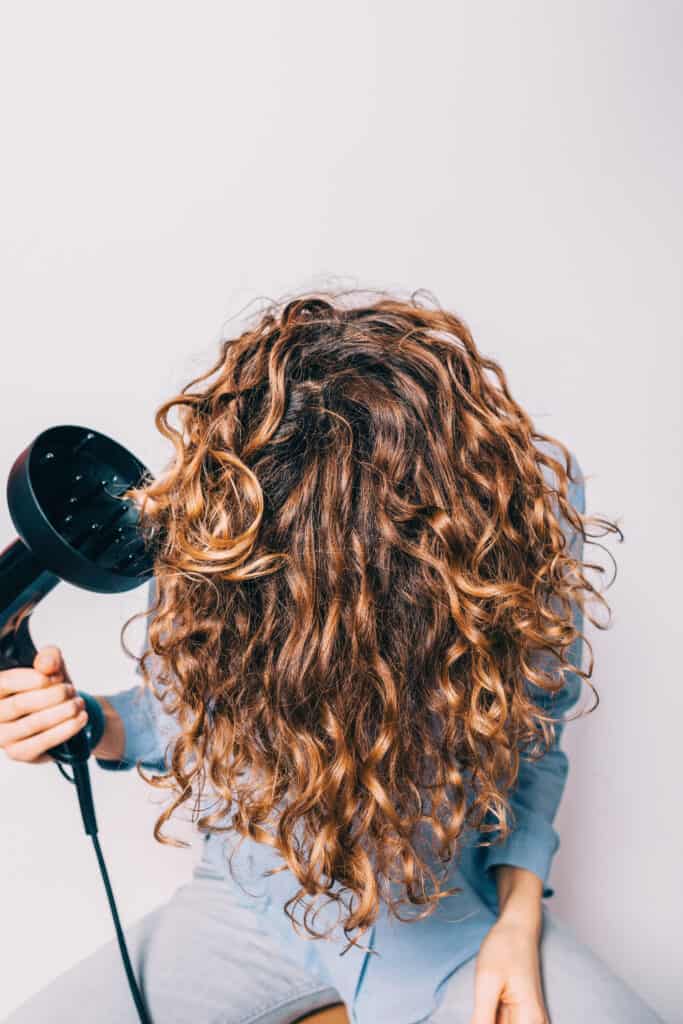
132	983
81	780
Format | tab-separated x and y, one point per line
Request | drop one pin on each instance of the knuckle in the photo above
11	707
486	974
32	679
43	681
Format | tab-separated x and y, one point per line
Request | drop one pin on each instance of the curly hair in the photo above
358	558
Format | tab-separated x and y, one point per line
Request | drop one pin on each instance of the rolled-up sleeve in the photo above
148	728
534	800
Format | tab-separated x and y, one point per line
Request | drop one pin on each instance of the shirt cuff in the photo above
94	727
132	707
530	846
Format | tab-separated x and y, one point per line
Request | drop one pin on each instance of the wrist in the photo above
520	894
104	728
95	726
523	918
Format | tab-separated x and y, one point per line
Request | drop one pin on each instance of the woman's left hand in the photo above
507	987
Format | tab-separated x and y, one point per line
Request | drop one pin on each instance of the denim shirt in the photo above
403	983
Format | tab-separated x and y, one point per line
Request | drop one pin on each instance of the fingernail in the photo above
80	702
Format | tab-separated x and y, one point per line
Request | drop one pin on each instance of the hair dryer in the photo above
66	498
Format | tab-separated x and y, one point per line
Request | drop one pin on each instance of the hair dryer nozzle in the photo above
65	495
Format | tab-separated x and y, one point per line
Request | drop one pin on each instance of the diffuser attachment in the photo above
65	499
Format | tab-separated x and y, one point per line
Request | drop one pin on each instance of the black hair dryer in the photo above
65	496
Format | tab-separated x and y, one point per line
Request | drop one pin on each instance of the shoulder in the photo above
576	490
577	483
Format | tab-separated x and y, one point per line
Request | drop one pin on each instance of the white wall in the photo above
163	164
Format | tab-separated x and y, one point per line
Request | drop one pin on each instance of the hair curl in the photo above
358	558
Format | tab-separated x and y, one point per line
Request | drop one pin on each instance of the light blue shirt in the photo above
416	956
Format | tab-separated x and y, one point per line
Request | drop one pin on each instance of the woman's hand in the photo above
39	708
507	986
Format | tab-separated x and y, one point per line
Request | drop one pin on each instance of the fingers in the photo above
27	702
15	680
38	707
32	749
48	667
488	1008
487	991
30	725
49	661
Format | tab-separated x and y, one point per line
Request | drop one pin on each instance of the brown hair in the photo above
358	557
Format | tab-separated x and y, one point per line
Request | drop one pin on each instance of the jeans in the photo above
202	958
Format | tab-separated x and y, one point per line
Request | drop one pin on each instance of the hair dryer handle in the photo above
19	651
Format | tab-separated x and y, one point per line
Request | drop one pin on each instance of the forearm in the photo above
520	894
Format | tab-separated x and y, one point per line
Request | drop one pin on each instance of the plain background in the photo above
165	164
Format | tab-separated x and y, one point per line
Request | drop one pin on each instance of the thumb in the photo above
487	989
49	661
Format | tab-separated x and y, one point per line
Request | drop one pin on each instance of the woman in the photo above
364	638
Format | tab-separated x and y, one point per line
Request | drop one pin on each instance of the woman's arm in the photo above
136	727
535	798
508	970
520	893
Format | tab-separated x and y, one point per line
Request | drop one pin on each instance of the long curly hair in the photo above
358	558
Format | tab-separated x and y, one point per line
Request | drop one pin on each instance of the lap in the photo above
577	985
201	957
204	957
